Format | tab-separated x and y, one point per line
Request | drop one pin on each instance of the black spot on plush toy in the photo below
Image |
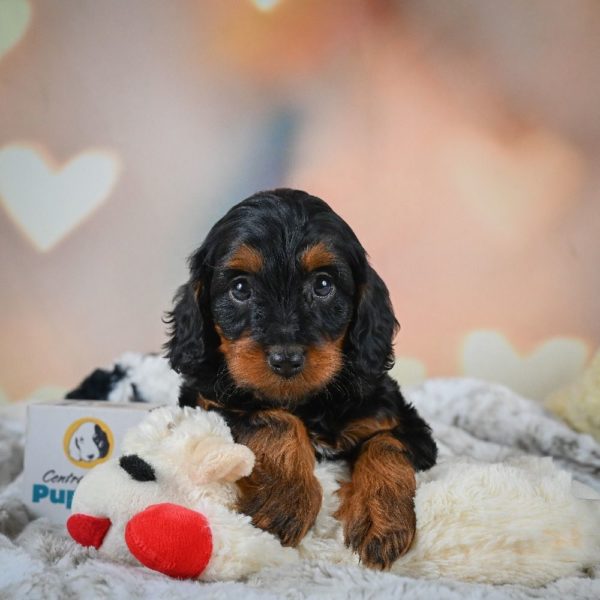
137	468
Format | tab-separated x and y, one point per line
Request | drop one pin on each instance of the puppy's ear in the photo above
369	342
187	346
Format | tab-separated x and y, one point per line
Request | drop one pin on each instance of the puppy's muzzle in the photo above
286	361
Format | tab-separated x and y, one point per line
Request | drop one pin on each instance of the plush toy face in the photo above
105	501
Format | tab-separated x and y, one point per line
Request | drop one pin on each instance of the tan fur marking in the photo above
282	494
357	431
207	404
377	505
247	364
316	257
247	259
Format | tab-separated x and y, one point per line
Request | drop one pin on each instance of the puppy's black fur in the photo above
282	270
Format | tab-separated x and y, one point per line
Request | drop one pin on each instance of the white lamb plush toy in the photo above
168	503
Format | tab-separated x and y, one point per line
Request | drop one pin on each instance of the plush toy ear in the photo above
227	462
369	343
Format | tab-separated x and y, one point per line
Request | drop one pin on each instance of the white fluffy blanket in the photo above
469	418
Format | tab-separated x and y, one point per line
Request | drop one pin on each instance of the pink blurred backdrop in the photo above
461	141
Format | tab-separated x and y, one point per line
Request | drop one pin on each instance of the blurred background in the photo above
460	140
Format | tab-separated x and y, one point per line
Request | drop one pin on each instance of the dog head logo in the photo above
88	442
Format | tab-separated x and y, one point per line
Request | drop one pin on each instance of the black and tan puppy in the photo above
286	330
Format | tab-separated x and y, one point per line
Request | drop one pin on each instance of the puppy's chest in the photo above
325	450
340	433
326	436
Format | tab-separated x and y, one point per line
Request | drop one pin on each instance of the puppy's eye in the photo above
323	285
240	289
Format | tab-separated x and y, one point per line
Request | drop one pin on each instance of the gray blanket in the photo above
469	418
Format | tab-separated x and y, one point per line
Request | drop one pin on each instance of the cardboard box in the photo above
65	439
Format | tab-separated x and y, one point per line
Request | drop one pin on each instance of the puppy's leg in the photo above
377	505
281	494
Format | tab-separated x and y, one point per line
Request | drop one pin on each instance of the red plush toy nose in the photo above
87	530
171	539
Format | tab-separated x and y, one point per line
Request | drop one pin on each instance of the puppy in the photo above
88	443
286	330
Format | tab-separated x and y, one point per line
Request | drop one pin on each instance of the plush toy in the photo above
133	377
579	403
168	503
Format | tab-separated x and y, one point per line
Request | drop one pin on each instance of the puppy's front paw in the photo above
287	509
378	524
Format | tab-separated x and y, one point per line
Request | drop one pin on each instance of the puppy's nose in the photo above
286	361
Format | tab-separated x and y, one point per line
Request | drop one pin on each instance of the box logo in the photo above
88	442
